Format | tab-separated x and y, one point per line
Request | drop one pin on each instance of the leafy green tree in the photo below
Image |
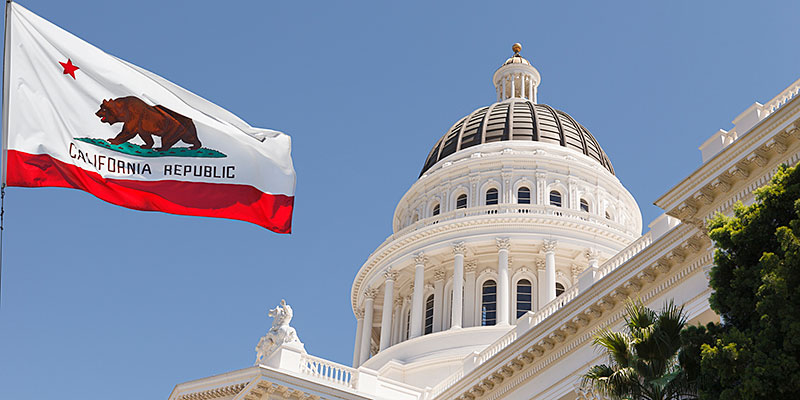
755	352
643	360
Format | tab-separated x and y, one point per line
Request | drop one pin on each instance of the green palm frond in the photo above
615	344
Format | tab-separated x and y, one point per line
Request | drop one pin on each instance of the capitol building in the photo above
514	246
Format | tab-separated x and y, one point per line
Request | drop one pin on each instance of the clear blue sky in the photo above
104	302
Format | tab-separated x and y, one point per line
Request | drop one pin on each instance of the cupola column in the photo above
366	328
549	247
359	328
503	294
388	303
458	285
416	300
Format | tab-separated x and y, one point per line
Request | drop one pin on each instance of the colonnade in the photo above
462	307
508	86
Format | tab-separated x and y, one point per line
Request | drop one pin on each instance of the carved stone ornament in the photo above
471	266
371	293
459	248
503	243
280	333
549	245
540	265
420	259
439	275
390	275
592	254
398	302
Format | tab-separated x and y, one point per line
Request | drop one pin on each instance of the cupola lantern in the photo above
516	78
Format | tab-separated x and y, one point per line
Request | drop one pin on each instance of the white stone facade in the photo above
442	306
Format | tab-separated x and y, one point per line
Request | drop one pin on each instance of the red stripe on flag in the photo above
220	200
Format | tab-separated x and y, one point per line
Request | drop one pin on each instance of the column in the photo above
416	299
438	300
457	315
549	247
359	327
503	294
366	328
397	321
388	303
513	85
503	97
469	293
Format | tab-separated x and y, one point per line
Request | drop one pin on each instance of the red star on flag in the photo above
69	69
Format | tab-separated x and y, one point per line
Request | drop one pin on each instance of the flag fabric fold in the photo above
76	117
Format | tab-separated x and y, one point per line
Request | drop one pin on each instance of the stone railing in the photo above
328	371
500	210
445	384
498	345
782	98
624	255
554	305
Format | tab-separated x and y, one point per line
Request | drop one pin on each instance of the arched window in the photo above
436	209
429	315
489	303
555	198
584	205
523	195
491	197
461	201
524	297
559	289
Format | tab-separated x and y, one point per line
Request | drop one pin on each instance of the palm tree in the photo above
643	360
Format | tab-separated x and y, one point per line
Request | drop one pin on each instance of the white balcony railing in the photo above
328	371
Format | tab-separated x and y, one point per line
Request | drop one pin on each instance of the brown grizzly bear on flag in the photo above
145	120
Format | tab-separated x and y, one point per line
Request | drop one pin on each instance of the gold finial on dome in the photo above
516	47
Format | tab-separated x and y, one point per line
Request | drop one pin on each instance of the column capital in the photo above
592	254
439	275
540	265
390	275
459	248
549	245
503	243
420	259
359	314
471	266
541	175
371	293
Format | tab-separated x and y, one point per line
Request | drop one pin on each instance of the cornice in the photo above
655	269
230	390
735	162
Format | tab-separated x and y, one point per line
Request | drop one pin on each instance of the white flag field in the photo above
76	117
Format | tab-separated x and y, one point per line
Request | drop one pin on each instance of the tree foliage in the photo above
643	361
755	352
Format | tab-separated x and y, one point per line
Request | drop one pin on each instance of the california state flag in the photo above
76	117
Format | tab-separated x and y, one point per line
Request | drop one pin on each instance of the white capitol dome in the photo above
513	248
512	204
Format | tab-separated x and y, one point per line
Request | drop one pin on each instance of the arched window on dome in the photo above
491	197
461	201
436	209
555	198
559	289
429	315
584	205
489	303
524	297
523	195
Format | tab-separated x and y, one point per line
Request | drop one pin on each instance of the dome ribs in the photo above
558	123
578	132
521	120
